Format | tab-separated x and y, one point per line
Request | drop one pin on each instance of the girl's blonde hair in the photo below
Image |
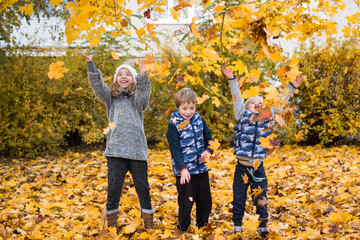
116	90
256	98
185	95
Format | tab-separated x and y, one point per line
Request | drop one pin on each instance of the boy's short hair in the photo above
185	95
256	98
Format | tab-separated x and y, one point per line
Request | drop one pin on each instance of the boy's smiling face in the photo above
187	110
253	105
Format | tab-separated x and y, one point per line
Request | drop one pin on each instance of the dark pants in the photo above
117	169
198	191
256	179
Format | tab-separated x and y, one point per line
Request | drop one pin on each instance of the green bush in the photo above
328	104
40	116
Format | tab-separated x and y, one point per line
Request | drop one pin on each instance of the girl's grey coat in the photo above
127	138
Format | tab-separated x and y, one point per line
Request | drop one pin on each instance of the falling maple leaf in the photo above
257	191
215	156
124	23
214	144
264	201
147	13
280	120
169	111
256	164
216	101
245	178
112	125
115	55
202	99
252	92
264	113
56	70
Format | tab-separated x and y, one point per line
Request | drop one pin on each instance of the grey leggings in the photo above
117	169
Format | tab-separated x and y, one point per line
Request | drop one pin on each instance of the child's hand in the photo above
185	176
227	72
87	58
141	67
204	156
298	81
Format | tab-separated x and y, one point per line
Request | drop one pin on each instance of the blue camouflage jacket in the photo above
188	142
248	134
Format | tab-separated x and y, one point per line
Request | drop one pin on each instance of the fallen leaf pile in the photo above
313	194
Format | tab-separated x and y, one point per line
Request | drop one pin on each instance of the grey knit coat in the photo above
127	138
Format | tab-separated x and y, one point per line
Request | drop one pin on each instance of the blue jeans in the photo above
256	179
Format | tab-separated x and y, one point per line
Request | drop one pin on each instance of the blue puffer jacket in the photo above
191	141
248	134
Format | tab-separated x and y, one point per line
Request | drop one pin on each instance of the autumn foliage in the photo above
328	104
313	194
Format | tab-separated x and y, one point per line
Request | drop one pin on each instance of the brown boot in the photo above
148	220
112	220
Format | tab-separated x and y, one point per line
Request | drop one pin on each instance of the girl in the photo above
126	147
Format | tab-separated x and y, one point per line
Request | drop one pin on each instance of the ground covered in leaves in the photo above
313	194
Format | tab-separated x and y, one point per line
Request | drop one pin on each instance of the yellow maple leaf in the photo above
245	178
214	145
216	101
280	120
115	55
219	8
251	223
112	125
140	32
250	93
253	75
56	70
339	217
27	9
106	130
130	228
202	99
239	66
175	14
94	42
257	191
256	164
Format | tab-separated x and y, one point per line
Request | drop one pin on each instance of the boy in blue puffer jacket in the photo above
188	136
247	149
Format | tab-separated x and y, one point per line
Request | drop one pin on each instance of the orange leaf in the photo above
215	157
169	111
264	113
183	124
256	164
245	178
264	201
257	191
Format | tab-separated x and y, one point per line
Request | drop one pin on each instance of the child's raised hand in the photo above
298	81
87	58
227	72
185	176
141	67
